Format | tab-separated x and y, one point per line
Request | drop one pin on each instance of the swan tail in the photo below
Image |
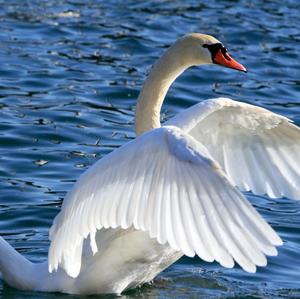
16	270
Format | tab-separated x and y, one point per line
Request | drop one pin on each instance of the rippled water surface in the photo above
70	73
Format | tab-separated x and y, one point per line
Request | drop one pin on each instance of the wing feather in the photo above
259	150
228	230
165	183
149	210
187	219
179	234
159	227
213	233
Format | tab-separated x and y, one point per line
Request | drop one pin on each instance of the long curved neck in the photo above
162	75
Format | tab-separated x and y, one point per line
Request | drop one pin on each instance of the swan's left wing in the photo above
164	182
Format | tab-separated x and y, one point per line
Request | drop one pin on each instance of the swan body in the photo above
169	192
127	259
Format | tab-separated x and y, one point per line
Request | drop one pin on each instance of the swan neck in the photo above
163	74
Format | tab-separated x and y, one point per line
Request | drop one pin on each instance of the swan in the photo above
174	190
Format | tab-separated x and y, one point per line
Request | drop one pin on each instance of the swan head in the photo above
205	49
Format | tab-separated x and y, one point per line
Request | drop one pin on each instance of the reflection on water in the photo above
70	74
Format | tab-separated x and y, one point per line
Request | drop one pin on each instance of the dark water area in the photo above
70	73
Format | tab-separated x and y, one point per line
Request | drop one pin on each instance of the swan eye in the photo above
215	49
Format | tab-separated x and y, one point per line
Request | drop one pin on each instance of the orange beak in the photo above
226	60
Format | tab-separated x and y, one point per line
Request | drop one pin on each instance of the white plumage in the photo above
258	150
164	183
169	192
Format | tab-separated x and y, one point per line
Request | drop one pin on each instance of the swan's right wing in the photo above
258	149
164	182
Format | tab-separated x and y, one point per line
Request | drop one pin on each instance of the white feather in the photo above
175	192
259	150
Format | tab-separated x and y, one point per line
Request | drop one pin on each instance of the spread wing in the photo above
164	182
259	150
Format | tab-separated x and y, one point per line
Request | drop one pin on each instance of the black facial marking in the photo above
215	48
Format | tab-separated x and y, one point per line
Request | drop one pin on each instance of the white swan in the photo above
170	191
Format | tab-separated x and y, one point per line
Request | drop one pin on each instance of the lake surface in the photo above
70	73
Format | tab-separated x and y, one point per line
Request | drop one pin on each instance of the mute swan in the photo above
171	191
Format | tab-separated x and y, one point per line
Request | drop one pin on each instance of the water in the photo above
70	73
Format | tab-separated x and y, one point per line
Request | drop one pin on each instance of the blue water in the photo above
70	73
